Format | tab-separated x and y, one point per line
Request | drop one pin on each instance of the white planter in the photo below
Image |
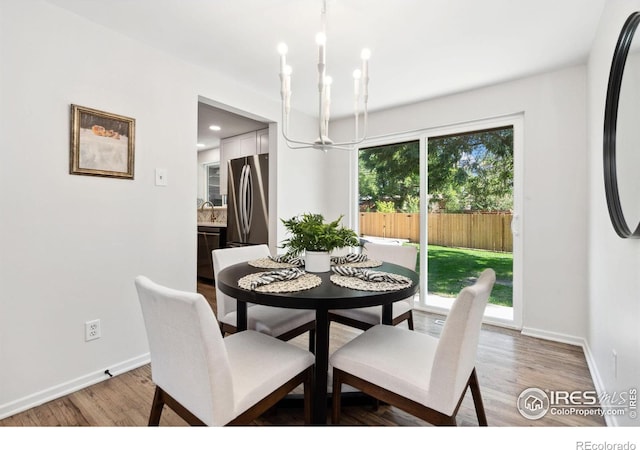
317	261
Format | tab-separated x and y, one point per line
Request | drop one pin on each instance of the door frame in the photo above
517	121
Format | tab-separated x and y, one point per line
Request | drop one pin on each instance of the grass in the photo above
451	269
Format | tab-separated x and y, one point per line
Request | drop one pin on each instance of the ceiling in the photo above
230	124
421	49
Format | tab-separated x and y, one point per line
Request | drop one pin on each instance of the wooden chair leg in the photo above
156	408
308	397
312	341
477	399
410	320
336	393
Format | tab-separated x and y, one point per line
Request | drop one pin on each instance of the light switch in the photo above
161	177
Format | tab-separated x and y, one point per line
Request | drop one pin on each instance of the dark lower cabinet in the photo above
209	238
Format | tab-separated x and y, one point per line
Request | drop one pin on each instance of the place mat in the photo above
302	283
359	284
363	264
354	260
269	263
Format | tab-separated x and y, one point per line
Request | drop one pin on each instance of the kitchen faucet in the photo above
213	217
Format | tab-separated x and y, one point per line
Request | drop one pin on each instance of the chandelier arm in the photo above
355	141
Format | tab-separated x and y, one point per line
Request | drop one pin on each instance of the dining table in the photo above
326	296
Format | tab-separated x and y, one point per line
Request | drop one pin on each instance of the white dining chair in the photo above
283	323
365	318
422	375
205	378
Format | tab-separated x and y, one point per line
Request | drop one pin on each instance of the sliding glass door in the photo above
455	193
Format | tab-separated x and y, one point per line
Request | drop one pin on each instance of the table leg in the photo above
319	415
241	316
387	314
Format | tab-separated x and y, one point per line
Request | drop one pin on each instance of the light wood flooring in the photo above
507	364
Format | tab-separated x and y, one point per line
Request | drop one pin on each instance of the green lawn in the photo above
451	269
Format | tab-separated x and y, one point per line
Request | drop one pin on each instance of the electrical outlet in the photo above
92	330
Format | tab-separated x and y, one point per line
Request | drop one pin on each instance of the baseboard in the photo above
488	320
54	392
552	336
611	421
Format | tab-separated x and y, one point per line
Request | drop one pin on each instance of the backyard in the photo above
469	206
451	269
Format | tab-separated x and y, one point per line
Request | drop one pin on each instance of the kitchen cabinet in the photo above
234	147
263	141
209	238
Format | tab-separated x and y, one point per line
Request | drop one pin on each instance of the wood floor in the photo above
507	364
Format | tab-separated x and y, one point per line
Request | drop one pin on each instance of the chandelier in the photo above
360	95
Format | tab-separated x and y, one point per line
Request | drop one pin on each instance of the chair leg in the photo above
410	320
336	393
477	399
156	408
308	397
312	341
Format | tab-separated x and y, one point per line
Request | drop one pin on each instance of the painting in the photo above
102	144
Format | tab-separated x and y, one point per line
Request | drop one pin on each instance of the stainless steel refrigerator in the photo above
248	200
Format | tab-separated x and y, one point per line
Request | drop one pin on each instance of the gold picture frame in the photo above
102	144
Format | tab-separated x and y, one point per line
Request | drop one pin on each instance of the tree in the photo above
389	173
472	171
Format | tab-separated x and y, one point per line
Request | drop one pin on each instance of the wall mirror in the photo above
621	147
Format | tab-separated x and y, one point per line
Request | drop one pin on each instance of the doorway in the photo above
471	186
470	209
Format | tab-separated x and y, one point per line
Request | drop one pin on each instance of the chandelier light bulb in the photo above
282	48
365	54
357	74
328	81
321	38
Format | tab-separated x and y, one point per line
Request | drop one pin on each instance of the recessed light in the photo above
214	127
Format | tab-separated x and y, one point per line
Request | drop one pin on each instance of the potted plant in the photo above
316	238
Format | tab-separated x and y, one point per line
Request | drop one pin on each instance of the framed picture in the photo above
102	144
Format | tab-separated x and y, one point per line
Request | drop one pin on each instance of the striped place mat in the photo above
269	263
368	280
302	283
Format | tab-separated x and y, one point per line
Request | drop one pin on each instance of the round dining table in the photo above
322	298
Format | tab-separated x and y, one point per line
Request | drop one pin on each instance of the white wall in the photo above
614	263
72	245
555	184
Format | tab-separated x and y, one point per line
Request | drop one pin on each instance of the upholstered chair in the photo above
365	318
283	323
209	380
425	376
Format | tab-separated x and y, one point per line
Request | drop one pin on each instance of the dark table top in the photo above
326	296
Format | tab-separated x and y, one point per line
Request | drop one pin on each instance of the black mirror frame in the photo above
610	124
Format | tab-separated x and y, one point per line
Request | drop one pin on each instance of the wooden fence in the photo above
487	231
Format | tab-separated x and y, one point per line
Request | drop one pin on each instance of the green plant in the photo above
411	204
385	207
310	232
